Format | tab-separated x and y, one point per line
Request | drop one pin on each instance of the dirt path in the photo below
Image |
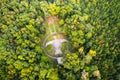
52	24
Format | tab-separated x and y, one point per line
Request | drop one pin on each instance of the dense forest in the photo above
91	26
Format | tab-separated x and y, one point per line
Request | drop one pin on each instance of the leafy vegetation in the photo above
92	27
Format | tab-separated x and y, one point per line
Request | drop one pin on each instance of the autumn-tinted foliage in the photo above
92	27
